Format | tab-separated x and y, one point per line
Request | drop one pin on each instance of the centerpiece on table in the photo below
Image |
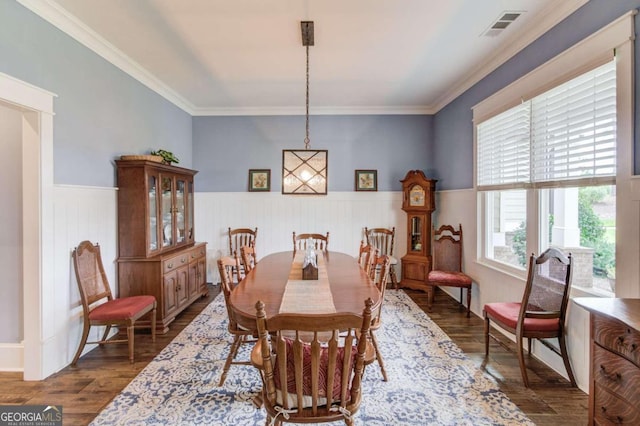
310	263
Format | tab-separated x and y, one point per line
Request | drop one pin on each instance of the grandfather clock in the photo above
419	202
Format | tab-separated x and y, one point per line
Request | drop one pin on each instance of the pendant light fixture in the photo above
305	171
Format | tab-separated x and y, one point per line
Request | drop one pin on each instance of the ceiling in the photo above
245	57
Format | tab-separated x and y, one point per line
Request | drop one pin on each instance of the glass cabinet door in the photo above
190	235
180	211
153	213
166	210
416	233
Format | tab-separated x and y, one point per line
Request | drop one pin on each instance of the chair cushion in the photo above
124	308
507	313
458	279
322	377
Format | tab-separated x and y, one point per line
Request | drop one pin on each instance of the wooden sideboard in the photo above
614	373
157	252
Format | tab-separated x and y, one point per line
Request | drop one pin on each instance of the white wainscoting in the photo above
343	214
80	213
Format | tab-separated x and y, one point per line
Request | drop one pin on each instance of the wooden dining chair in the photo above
384	240
240	334
366	256
311	365
241	237
94	287
248	255
447	264
379	274
320	242
542	311
238	238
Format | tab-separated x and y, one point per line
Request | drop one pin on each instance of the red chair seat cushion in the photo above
507	314
457	279
118	309
306	365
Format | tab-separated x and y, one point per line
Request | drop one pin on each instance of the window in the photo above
556	150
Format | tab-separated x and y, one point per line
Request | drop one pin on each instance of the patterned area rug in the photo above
431	382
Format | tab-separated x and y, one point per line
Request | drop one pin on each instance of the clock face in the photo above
416	196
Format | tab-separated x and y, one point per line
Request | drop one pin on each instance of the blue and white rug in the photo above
431	381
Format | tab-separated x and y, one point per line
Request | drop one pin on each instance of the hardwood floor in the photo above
102	373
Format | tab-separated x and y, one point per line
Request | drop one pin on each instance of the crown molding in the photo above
53	13
260	111
549	17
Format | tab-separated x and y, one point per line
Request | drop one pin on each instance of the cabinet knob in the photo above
169	265
184	259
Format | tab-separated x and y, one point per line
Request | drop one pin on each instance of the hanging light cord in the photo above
307	141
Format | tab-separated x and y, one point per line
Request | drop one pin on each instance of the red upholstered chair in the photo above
311	364
447	264
94	287
541	313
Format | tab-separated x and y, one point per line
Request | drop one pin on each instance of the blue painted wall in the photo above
101	112
225	148
453	127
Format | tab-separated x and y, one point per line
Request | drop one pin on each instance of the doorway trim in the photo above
36	106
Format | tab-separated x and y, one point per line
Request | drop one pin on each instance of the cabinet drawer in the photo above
615	373
618	337
175	262
611	410
197	253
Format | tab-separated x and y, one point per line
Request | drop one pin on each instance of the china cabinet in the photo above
157	252
418	200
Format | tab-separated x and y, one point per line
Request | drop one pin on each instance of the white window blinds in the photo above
503	148
563	135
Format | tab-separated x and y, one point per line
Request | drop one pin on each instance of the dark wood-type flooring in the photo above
101	374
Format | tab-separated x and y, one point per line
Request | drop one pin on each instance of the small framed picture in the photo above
259	180
366	180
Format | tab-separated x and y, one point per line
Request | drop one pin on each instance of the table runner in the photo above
307	296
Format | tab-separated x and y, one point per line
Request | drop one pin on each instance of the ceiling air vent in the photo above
499	25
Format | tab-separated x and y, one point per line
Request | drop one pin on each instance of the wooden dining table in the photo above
349	284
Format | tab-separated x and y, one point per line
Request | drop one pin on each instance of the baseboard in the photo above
11	357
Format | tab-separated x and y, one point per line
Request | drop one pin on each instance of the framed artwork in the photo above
259	180
366	180
304	171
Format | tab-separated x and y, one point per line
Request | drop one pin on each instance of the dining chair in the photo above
379	274
239	237
366	256
94	287
542	311
447	264
248	255
241	335
384	240
320	242
311	365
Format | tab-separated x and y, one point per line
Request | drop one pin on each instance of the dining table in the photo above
276	280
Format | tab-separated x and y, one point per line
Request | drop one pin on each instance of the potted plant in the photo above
167	156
